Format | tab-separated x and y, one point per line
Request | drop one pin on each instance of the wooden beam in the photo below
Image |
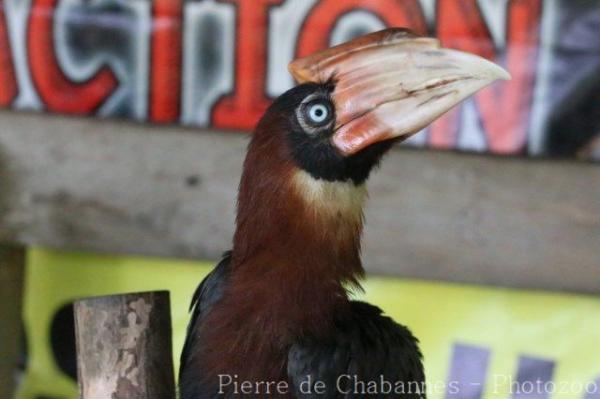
122	187
124	348
12	270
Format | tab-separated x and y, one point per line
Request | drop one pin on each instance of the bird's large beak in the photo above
393	83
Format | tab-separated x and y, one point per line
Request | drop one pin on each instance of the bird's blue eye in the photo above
317	113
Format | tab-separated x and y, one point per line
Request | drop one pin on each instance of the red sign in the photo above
219	63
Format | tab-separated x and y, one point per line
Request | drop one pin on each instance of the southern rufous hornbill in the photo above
275	312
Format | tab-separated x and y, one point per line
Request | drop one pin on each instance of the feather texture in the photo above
268	310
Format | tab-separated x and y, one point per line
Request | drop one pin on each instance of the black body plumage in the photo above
365	350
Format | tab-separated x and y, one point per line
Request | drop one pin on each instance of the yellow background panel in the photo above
558	327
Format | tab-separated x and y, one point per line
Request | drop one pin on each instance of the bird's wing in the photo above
367	346
207	294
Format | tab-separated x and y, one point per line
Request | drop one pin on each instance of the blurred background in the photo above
123	131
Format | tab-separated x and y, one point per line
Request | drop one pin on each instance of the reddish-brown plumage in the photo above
290	265
297	243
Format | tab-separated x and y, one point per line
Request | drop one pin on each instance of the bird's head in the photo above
356	99
352	103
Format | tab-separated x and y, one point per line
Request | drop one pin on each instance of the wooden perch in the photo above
124	347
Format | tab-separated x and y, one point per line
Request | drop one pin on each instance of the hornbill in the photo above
274	317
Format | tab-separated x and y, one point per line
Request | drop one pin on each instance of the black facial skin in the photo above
311	146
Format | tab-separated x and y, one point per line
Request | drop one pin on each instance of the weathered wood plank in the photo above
12	271
124	348
122	187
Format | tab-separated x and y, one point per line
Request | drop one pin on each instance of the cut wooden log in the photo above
124	348
12	271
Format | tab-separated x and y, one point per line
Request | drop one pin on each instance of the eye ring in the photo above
316	113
